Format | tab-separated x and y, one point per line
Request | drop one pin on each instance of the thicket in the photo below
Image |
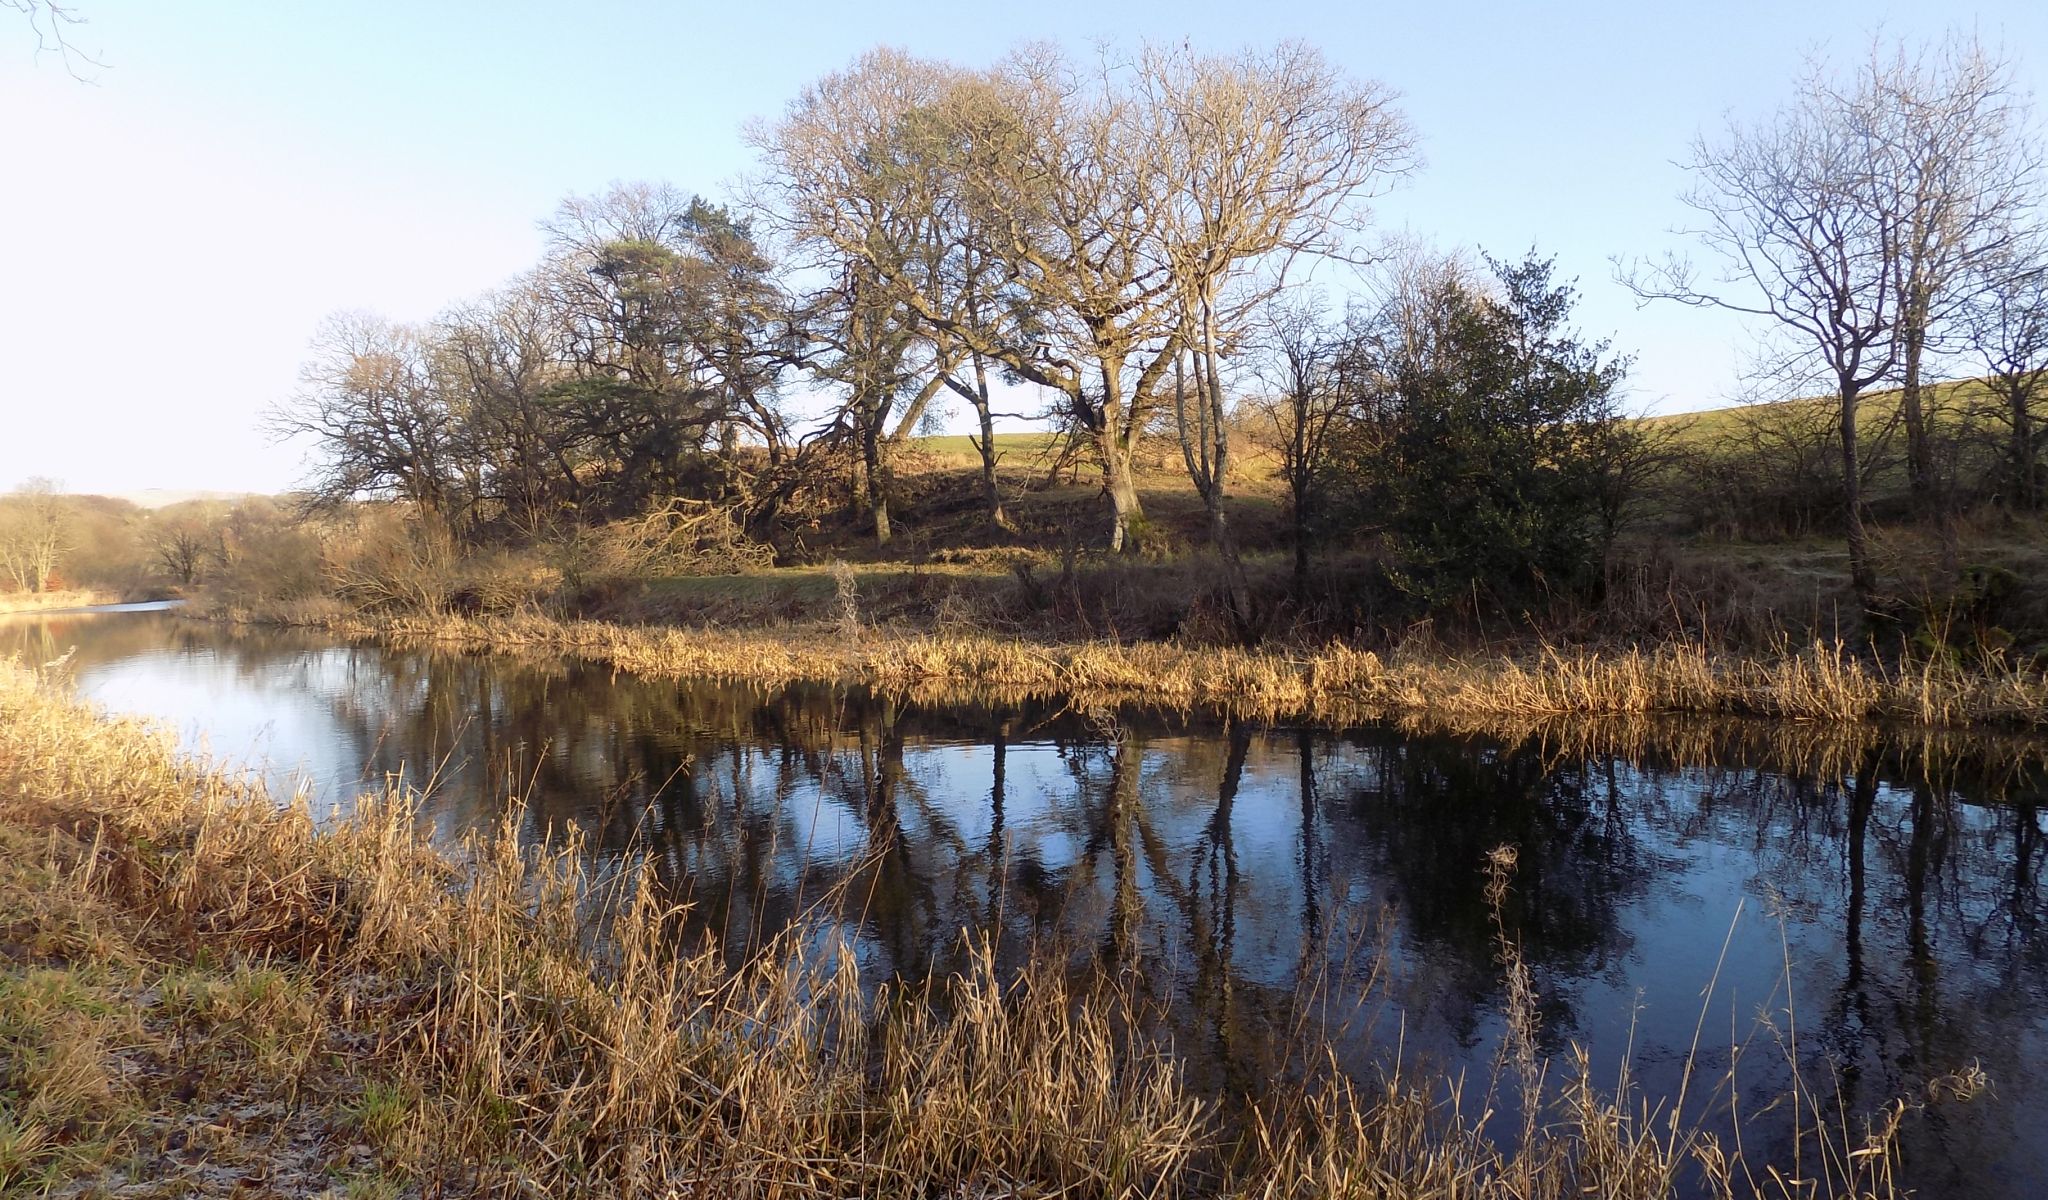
54	543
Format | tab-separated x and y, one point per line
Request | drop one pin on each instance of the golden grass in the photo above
1821	683
1995	763
28	602
208	992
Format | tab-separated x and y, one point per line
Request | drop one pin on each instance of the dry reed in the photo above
213	992
1822	683
32	602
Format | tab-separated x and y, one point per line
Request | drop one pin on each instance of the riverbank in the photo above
31	602
1824	682
202	993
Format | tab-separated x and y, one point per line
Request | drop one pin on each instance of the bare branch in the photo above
55	28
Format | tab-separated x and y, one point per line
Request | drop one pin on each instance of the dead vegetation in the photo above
202	992
32	602
1821	682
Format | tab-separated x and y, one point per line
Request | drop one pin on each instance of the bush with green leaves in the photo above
1485	446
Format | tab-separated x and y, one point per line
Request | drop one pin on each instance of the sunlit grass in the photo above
29	602
228	992
1820	682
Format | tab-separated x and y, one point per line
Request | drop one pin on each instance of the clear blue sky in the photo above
175	228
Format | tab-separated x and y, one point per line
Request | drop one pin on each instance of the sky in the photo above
177	223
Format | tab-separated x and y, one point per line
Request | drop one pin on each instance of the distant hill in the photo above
1879	409
155	498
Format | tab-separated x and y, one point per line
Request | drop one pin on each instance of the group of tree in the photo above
51	540
1129	240
35	535
629	367
1459	417
1123	239
1885	226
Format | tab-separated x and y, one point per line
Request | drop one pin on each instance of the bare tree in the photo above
182	547
2008	324
1305	358
1953	168
1269	158
1040	168
863	182
935	240
370	404
868	345
55	27
1785	207
1095	204
500	355
35	534
1065	186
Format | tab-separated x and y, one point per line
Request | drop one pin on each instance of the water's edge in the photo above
1893	892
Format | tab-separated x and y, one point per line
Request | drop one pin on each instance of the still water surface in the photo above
1236	868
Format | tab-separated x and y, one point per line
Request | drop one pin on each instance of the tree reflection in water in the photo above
1254	881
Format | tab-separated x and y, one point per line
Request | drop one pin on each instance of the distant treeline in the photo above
1132	238
54	542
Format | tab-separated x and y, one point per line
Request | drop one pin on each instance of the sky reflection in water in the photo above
1233	866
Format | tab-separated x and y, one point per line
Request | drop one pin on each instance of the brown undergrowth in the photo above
1822	683
34	602
202	992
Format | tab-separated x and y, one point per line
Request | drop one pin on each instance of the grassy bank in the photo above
1824	682
205	994
30	602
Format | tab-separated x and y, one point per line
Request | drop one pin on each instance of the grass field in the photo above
957	449
943	465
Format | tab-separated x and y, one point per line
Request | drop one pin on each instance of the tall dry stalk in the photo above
1825	683
846	594
496	1019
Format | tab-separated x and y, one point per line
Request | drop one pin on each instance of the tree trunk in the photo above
1208	457
2026	467
1300	481
1124	508
1300	557
1237	586
878	481
1861	576
1114	442
1929	490
991	490
1912	409
1209	463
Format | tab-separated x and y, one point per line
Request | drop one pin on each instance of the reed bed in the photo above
1826	682
205	992
31	602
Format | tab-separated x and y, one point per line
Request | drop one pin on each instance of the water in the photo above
1244	872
